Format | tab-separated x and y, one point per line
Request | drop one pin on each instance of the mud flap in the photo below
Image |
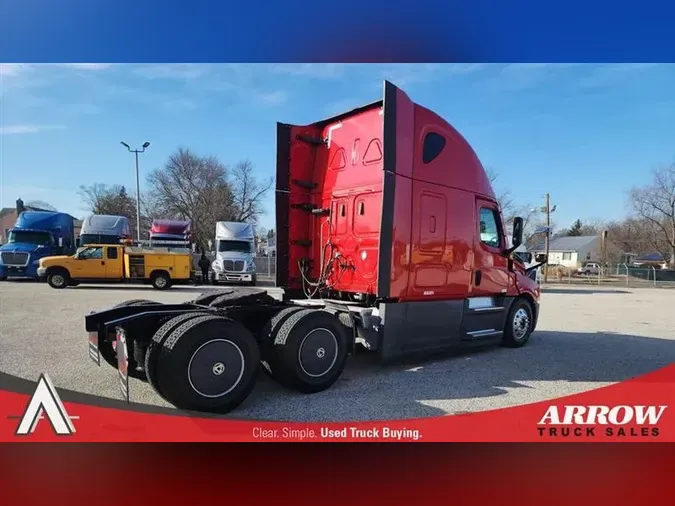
94	354
122	363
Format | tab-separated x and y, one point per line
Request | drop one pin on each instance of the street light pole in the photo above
138	186
548	210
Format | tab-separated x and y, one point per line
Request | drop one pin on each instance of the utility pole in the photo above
138	186
548	210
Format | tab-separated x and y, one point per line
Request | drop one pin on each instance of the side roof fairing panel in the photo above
282	203
395	231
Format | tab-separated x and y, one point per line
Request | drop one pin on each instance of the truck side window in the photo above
489	228
433	145
90	253
112	253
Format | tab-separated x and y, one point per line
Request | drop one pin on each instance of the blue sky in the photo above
585	133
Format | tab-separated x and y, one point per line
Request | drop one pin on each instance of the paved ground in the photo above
587	337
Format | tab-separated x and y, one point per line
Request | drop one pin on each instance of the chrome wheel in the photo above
521	323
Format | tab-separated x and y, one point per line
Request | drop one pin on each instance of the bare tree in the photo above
655	203
636	235
248	192
591	227
503	197
191	187
510	210
40	204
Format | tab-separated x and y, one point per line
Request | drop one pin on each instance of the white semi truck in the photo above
235	253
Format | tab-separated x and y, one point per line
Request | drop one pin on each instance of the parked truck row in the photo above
42	246
389	237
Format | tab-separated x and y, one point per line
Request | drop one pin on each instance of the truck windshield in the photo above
238	246
27	237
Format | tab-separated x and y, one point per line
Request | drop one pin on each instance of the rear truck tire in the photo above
106	348
155	347
58	279
208	364
519	324
160	281
267	339
309	351
3	278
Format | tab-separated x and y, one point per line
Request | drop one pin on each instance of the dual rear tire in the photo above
203	362
305	349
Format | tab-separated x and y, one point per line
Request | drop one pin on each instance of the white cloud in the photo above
11	69
311	70
519	67
179	104
406	74
85	66
606	75
524	76
15	69
27	128
273	98
173	71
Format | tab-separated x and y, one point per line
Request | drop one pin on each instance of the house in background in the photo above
9	215
575	251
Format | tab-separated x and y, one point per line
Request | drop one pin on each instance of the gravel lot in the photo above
587	337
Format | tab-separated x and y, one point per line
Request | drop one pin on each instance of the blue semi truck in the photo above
36	234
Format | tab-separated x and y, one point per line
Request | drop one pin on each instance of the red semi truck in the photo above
389	236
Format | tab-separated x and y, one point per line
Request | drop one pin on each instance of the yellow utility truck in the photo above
116	263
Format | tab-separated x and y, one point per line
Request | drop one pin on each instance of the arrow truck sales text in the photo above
589	421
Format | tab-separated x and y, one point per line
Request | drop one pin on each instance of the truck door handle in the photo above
479	276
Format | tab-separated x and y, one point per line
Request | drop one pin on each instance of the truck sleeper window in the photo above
489	229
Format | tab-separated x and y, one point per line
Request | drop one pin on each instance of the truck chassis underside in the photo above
204	354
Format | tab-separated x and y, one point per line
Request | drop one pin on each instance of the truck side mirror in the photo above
60	242
517	238
541	258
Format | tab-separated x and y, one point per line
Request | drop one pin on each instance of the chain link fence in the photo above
265	267
612	275
618	275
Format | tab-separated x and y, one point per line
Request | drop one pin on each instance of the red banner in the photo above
639	409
